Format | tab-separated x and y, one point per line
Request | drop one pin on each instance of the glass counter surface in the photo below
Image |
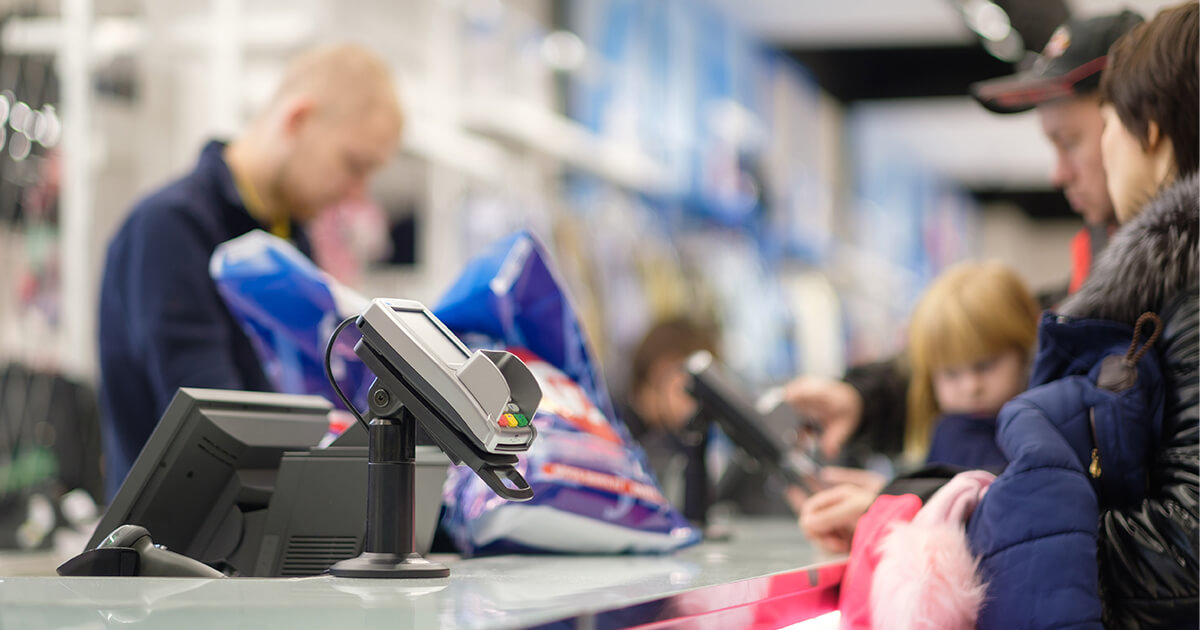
765	575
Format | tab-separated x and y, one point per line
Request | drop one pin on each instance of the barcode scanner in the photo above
129	551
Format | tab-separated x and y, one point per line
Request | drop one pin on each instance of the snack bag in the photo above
288	308
593	492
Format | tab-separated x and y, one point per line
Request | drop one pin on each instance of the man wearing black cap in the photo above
1064	86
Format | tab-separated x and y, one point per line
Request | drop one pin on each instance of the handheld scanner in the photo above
489	396
154	560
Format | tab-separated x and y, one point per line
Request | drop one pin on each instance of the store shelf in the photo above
450	146
113	36
44	35
559	137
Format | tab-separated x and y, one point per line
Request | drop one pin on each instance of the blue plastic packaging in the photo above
592	493
288	307
592	489
511	295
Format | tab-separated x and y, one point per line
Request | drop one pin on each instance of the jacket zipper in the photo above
1094	468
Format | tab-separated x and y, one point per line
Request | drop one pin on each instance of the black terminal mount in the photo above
476	407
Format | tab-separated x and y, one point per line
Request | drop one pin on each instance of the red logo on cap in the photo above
1060	40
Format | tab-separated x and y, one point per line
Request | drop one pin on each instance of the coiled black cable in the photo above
329	369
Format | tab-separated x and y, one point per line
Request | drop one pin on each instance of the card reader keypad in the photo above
512	421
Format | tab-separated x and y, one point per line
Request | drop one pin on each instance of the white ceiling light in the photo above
987	19
995	30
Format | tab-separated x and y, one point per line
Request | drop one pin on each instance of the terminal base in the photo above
389	565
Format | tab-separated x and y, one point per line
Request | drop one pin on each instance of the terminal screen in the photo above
431	337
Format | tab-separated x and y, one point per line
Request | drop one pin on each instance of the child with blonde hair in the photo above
970	344
971	340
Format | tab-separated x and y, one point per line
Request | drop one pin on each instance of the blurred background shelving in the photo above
795	170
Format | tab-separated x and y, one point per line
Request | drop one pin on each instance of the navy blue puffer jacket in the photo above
1035	530
1064	526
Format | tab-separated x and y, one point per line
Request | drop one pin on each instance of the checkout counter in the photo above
765	576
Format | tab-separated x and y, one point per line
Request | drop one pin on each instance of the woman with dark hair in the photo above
1150	109
1103	448
1151	151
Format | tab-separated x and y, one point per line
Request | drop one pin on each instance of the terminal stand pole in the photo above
389	548
697	494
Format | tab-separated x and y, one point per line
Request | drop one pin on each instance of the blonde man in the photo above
333	120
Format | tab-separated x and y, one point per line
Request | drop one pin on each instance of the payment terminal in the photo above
477	407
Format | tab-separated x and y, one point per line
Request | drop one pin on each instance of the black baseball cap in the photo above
1070	64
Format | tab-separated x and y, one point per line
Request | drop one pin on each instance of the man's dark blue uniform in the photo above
162	323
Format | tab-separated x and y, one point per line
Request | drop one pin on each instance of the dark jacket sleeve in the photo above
1034	531
884	389
177	318
1148	552
924	482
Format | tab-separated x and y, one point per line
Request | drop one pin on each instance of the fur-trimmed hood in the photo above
1150	260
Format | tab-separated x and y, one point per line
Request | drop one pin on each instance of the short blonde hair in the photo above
971	311
344	79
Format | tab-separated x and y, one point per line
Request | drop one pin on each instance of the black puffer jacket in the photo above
1149	567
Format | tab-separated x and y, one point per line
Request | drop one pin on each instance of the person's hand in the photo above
835	405
795	497
836	476
828	518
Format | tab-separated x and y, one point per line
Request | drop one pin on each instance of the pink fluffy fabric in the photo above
927	578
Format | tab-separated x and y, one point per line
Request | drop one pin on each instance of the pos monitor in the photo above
208	471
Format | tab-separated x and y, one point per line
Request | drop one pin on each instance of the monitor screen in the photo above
212	460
